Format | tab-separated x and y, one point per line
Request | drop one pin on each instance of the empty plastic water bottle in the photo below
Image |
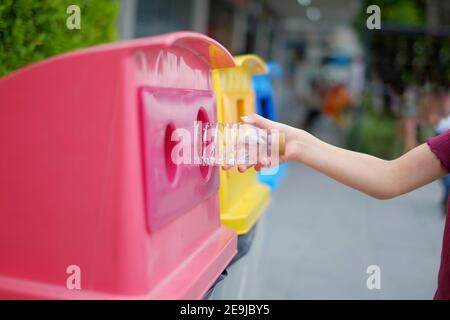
239	144
226	144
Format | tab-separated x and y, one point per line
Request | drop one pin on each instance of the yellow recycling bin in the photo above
242	198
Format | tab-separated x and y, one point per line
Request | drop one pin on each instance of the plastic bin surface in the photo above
265	106
242	198
87	181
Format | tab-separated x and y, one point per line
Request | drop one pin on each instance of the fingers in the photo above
242	169
262	123
258	121
258	167
264	163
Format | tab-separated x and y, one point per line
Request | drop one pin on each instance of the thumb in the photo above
258	121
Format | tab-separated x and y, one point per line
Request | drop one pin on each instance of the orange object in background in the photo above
336	100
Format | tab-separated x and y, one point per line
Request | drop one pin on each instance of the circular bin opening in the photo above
202	116
171	167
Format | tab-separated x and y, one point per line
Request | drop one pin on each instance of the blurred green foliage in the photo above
403	12
32	30
378	136
375	132
400	58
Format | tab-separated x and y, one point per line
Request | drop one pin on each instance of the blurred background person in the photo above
313	103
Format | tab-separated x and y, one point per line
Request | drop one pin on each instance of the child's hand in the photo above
292	146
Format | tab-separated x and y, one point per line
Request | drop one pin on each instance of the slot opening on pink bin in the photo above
169	145
202	116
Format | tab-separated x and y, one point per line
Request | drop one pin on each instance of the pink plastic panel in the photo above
175	90
172	190
74	188
176	68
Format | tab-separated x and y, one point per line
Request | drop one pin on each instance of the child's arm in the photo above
378	178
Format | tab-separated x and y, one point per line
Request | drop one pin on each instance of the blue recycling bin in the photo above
265	106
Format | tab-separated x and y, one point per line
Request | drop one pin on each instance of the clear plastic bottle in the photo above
239	144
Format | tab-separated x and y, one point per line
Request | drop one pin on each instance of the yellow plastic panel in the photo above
242	198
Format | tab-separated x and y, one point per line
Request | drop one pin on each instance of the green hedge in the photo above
379	136
32	30
374	132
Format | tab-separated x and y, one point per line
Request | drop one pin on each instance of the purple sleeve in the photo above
440	145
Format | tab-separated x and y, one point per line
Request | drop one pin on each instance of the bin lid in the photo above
253	64
207	49
275	69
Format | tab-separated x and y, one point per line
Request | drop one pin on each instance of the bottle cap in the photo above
281	143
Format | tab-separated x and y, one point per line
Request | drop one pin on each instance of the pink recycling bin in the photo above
91	205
